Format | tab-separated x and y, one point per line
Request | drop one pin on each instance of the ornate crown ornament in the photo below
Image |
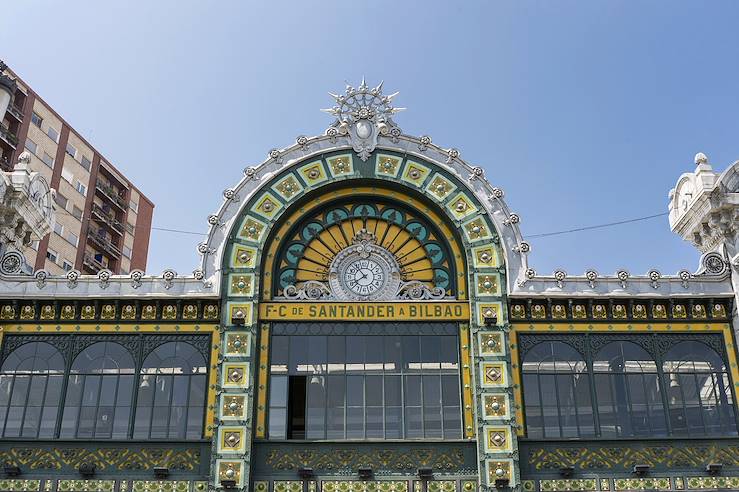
363	114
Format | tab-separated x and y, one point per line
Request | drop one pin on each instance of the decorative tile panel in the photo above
288	187
497	439
415	173
487	284
313	173
495	406
252	229
231	439
461	206
440	187
476	229
233	406
485	257
489	310
235	375
491	343
241	284
243	256
493	374
387	165
267	206
237	343
230	470
341	165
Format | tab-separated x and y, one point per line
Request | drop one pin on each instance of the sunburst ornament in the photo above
363	114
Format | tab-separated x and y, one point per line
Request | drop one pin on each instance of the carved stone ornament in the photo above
11	263
363	114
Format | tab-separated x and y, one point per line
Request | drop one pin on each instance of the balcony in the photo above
15	112
110	193
92	264
107	218
8	136
100	240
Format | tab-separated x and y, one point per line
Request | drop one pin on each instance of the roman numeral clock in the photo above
364	271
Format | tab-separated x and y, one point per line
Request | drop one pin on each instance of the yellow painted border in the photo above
374	191
115	329
263	372
468	400
724	328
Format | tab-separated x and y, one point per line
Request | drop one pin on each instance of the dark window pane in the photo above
36	391
13	422
411	353
159	422
279	355
86	425
20	390
163	391
431	391
195	422
336	353
355	422
355	353
355	390
393	391
432	421
31	422
177	422
298	354
430	352
108	390
142	422
104	421
48	422
180	390
413	390
374	361
413	422
373	391
393	354
393	422
374	423
452	423
450	394
120	424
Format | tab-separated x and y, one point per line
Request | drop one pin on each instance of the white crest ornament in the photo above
363	114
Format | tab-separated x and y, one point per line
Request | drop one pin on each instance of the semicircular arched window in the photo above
99	393
628	392
556	392
698	391
171	393
30	389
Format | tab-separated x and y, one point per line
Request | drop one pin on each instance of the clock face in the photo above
364	273
364	277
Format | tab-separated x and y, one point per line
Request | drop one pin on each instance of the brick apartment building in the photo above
102	219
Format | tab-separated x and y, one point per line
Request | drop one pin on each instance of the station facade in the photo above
364	318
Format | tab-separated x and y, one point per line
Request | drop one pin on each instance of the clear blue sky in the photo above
583	112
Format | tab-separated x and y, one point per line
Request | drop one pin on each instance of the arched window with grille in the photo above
30	389
628	396
99	393
557	392
171	393
698	391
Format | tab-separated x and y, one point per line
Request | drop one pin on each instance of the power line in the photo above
545	234
599	226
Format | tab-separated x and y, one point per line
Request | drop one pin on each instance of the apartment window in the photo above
52	255
53	134
31	145
76	213
67	266
130	227
61	200
85	162
48	160
134	206
73	238
58	228
126	251
36	120
67	175
34	245
71	150
81	188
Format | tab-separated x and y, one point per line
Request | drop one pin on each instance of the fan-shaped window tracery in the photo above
421	252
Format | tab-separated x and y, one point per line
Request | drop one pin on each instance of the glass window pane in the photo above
194	423
432	391
393	391
32	421
393	422
452	423
393	354
430	352
278	423
355	390
375	423
355	422
450	394
374	361
180	390
413	391
413	422
373	391
411	353
278	391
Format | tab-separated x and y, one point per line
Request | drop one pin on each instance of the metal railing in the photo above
107	218
99	239
8	136
15	111
111	194
93	264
